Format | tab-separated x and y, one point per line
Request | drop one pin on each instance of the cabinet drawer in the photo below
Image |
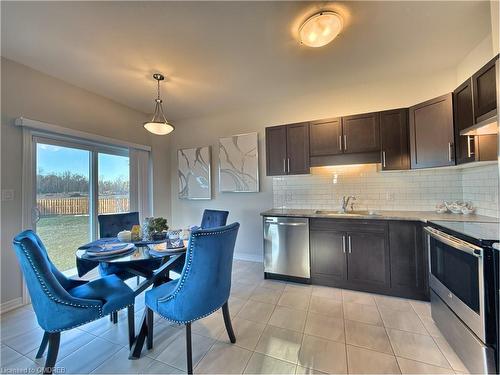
349	225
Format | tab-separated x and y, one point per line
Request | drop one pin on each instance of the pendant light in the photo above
159	124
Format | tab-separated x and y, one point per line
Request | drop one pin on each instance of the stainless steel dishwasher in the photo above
286	247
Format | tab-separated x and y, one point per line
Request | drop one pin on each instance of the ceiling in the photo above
221	56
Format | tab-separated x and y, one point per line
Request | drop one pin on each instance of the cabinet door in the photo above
407	256
484	91
325	137
486	147
276	151
368	259
463	118
394	143
328	256
297	148
361	133
431	133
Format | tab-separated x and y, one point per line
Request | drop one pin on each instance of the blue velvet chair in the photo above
213	218
109	226
61	303
204	285
210	219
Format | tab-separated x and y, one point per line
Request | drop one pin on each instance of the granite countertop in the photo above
423	216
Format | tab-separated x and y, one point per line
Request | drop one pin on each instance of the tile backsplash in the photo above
418	190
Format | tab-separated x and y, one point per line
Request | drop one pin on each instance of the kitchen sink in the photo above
347	213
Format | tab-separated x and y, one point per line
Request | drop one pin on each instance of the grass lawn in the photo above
62	235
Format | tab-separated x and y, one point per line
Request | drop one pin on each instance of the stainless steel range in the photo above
463	279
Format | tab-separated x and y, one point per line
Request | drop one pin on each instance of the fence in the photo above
80	205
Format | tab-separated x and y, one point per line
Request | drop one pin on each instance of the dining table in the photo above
138	261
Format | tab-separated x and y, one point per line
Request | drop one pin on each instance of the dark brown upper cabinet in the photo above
484	91
287	149
465	104
463	117
431	133
325	137
394	145
276	150
361	133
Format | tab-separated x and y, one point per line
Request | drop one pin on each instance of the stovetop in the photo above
483	233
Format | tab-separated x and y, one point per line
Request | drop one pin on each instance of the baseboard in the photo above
11	305
249	257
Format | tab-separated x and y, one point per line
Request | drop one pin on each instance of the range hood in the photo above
484	127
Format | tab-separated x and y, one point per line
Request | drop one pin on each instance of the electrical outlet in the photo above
389	196
7	194
288	196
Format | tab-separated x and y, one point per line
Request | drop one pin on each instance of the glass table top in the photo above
138	253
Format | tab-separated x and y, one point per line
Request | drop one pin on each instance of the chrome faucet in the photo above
345	202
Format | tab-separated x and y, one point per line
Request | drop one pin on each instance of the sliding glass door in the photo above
75	183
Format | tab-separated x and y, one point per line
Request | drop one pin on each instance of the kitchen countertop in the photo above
423	216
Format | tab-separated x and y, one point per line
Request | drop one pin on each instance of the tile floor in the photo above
281	328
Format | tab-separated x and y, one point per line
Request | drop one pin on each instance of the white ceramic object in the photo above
124	236
468	210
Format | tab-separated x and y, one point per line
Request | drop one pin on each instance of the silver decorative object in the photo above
239	163
194	173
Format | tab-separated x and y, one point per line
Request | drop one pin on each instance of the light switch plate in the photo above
7	194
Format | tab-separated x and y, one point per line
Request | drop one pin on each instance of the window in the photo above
67	175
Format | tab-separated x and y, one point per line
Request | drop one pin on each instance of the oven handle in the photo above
455	242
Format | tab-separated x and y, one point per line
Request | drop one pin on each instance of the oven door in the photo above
456	275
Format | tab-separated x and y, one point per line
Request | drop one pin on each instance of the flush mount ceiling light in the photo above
159	124
320	29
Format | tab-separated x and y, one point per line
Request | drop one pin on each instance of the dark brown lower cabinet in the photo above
328	257
368	258
374	256
408	258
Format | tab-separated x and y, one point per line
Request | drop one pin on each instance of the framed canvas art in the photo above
194	173
239	163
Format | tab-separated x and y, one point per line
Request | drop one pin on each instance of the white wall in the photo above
29	93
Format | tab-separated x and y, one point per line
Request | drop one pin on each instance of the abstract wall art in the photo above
194	173
239	163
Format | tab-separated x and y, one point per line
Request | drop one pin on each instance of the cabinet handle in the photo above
345	142
350	244
383	159
340	142
288	164
284	166
469	152
343	244
450	145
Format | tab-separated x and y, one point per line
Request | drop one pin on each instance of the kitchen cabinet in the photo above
484	91
325	137
369	255
394	144
408	258
361	133
287	149
328	257
474	148
348	254
431	133
463	118
276	150
347	140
